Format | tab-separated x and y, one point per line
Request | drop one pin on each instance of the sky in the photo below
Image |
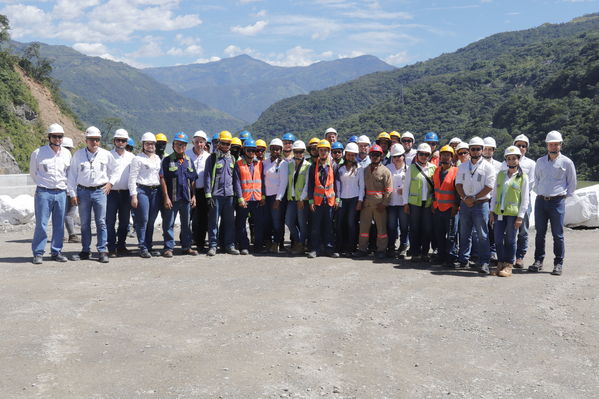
149	33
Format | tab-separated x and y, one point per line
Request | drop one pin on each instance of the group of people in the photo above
447	205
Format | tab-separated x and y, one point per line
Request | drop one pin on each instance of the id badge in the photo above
92	174
500	217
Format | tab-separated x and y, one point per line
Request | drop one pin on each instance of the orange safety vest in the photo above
328	190
250	185
445	193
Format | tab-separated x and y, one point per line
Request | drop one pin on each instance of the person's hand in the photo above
275	205
211	203
193	201
359	206
518	223
134	202
300	204
106	189
312	208
74	201
469	201
242	203
262	201
406	209
337	205
167	203
454	211
491	218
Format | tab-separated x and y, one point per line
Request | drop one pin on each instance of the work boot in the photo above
312	255
232	251
37	260
297	248
122	252
244	252
59	257
519	263
484	269
74	239
103	258
536	267
380	255
211	251
506	271
168	253
81	256
274	248
557	269
190	251
145	254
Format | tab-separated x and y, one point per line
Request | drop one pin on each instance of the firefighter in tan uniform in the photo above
378	183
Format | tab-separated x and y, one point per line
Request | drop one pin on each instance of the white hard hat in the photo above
512	150
148	136
330	130
67	142
92	131
521	137
490	142
554	137
202	134
297	145
408	135
455	140
55	128
363	139
462	146
121	134
423	147
352	148
476	141
276	142
397	150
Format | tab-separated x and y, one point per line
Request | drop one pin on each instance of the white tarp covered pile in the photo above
18	210
582	209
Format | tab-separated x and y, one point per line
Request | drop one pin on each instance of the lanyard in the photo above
91	161
472	172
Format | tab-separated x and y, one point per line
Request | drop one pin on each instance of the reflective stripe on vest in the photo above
328	190
250	185
445	194
416	186
513	196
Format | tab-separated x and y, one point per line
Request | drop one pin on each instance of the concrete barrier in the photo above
15	185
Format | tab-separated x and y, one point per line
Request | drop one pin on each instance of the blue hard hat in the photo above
337	146
243	136
288	137
249	143
353	139
131	142
215	137
182	137
431	136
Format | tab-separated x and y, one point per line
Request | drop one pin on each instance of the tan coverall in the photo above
379	185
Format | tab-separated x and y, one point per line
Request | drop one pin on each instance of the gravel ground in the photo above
278	327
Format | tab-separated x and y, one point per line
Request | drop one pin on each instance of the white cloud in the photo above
298	56
398	59
72	9
250	30
150	49
206	60
260	14
376	14
91	49
301	25
26	19
193	49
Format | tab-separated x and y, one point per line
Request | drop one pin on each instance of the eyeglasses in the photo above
337	152
298	151
224	143
376	154
420	154
97	139
476	149
260	149
149	143
463	153
179	143
407	140
250	150
56	136
121	140
521	146
432	143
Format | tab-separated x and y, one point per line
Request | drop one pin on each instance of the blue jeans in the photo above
275	221
96	200
118	202
476	218
421	229
505	238
183	208
48	202
397	218
297	221
149	203
444	231
522	244
550	211
347	225
322	227
223	209
241	218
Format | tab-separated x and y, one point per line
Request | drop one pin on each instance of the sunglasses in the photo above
93	139
407	140
376	154
224	143
337	152
298	151
56	136
260	149
476	149
463	153
521	146
421	154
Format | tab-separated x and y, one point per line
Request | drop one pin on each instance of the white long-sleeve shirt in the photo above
91	169
350	185
399	184
274	175
524	201
49	169
199	162
121	172
144	171
475	177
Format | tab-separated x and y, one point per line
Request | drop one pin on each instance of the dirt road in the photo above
278	327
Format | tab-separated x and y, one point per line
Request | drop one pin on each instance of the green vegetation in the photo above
586	183
527	82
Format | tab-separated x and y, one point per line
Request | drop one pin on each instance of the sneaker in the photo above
168	253
59	257
380	255
74	239
333	254
460	265
402	253
211	251
312	255
37	260
191	252
81	256
519	263
536	267
103	258
233	251
506	269
557	269
122	252
155	252
484	269
112	254
274	248
145	254
244	252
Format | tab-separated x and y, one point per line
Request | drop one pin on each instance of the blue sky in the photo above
287	33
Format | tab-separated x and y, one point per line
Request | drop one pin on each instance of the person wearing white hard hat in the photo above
418	199
489	150
474	184
555	179
349	181
274	176
90	183
454	142
528	166
407	141
363	148
296	214
119	201
48	168
146	196
71	211
462	153
509	204
398	221
199	214
330	135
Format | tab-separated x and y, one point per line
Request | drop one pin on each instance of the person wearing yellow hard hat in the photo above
161	141
218	185
322	198
395	137
236	147
312	149
260	149
384	141
445	207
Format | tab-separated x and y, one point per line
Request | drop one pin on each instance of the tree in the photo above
108	125
36	66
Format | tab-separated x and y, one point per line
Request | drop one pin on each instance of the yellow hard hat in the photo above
161	137
394	134
447	148
234	141
260	143
225	135
314	140
383	135
324	144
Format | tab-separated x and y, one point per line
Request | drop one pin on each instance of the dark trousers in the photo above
241	218
346	225
420	229
199	217
118	202
322	227
550	211
444	231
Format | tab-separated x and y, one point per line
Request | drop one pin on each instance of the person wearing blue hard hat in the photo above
337	153
432	139
130	145
214	142
288	140
353	139
244	135
177	180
